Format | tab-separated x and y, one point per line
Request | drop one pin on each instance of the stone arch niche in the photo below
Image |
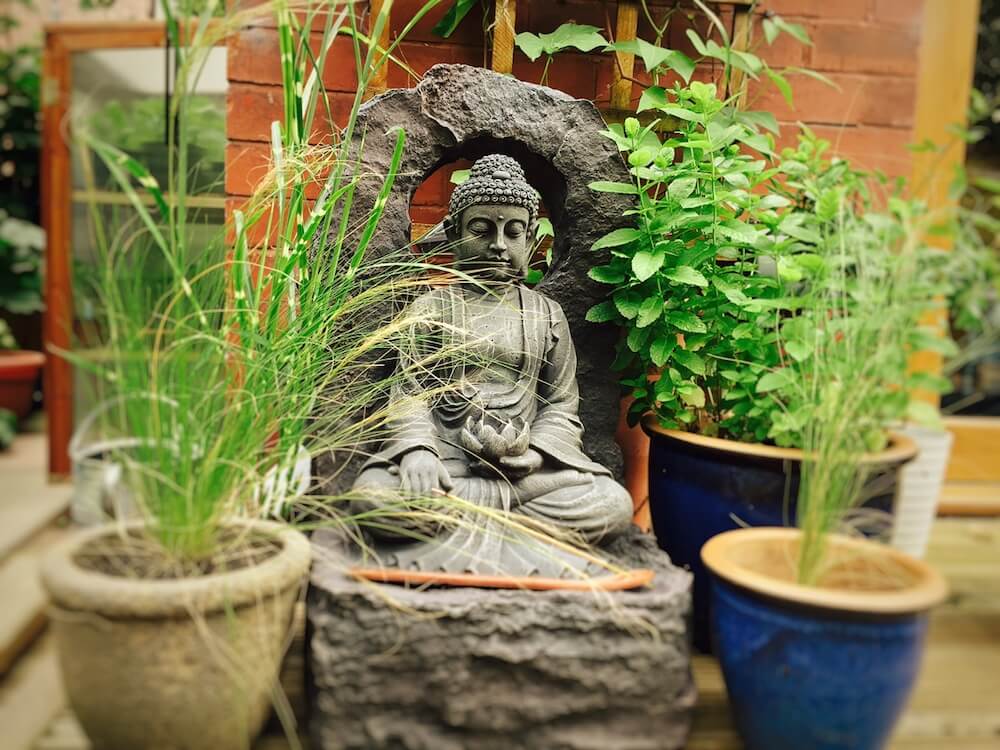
458	111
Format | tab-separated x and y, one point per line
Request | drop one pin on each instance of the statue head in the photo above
491	220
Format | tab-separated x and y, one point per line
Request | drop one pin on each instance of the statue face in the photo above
492	242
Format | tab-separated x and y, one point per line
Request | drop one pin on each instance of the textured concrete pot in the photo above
183	663
826	667
18	375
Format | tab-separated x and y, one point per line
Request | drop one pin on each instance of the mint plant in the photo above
686	278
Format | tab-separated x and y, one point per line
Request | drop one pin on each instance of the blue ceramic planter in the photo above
700	487
803	675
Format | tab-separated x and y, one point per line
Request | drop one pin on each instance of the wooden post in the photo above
56	218
947	56
626	26
505	15
380	81
741	41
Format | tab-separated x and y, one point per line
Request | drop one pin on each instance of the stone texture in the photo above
456	669
458	111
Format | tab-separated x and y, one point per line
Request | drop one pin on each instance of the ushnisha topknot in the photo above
495	179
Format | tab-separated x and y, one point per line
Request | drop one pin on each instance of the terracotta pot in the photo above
181	663
701	486
18	374
830	666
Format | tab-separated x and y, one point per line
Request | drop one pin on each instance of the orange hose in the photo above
631	579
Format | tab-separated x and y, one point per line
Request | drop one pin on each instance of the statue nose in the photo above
499	247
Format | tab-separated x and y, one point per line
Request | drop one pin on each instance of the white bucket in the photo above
99	494
919	489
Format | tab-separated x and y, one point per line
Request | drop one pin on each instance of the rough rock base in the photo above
476	669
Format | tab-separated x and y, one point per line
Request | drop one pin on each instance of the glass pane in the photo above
120	95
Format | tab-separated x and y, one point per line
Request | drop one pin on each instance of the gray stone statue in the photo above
502	430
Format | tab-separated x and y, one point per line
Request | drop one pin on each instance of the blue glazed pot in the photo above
701	486
817	668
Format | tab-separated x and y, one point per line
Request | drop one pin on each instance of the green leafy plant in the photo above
20	136
22	245
685	278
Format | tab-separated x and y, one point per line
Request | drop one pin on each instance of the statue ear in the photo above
451	227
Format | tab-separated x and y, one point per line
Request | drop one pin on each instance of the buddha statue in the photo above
501	430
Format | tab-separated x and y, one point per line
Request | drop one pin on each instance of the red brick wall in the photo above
868	47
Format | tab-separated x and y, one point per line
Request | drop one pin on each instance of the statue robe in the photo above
523	373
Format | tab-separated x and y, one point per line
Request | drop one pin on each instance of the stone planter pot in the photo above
180	663
701	486
830	667
18	374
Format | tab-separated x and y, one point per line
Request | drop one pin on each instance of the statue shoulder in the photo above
543	302
431	303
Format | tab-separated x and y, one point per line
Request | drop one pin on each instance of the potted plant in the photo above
171	627
21	246
710	286
802	617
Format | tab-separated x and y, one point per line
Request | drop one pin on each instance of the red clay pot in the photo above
18	375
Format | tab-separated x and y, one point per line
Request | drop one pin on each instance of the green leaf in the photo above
792	29
637	338
567	36
764	120
682	188
690	360
654	97
686	321
544	228
792	226
773	380
696	42
828	205
602	313
782	84
798	350
624	188
530	44
929	381
661	348
450	21
681	64
459	176
680	113
617	238
923	413
692	395
627	303
771	30
641	156
686	275
645	264
652	56
606	274
649	311
773	201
